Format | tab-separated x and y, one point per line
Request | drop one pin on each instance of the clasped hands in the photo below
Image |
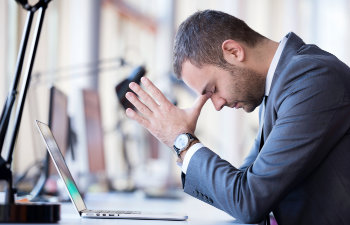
158	115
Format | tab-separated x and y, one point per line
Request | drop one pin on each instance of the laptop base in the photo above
136	216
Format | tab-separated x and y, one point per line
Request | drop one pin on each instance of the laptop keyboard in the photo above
110	212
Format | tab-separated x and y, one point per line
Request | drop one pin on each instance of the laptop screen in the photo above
61	165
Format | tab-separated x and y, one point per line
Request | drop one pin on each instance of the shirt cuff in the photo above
190	152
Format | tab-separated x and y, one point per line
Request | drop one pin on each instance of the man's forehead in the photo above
195	77
187	65
189	68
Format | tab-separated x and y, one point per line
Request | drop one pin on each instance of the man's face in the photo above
235	88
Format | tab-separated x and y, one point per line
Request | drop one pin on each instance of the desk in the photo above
198	212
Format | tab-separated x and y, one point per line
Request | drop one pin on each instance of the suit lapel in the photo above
268	114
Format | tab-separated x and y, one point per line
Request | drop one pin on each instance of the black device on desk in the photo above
123	87
74	193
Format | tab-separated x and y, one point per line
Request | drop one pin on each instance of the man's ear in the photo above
233	51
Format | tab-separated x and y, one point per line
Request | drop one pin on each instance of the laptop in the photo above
74	193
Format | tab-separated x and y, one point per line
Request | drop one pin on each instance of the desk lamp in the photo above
10	211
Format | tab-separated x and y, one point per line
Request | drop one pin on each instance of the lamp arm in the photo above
5	164
26	83
6	113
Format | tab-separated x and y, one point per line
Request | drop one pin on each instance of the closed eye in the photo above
212	90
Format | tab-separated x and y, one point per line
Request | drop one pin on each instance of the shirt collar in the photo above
273	65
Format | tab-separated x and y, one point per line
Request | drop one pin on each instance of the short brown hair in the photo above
200	36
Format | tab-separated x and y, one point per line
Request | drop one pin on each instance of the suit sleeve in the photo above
309	123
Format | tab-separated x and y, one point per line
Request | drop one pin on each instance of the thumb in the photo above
199	103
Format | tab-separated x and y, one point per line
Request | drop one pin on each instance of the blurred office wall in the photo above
141	32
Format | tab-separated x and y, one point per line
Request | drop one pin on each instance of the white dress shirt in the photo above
269	78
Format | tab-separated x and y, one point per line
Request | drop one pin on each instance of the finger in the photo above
147	99
138	118
154	91
200	101
141	107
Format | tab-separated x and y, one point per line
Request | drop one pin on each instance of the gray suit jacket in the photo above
302	172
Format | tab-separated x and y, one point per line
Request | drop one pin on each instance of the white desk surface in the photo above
198	212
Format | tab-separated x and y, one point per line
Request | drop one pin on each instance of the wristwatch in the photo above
182	142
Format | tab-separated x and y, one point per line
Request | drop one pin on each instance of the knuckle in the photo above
131	97
141	120
137	89
158	93
143	109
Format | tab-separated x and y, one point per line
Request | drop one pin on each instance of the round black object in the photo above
30	213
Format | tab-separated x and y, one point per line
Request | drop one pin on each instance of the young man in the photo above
299	165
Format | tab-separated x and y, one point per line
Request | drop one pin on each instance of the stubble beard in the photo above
252	85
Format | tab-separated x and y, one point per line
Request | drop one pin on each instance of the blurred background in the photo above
89	47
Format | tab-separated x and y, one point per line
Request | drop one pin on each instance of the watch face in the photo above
181	141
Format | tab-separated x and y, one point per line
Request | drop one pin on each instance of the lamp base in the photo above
30	213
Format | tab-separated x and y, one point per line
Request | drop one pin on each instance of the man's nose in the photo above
218	102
